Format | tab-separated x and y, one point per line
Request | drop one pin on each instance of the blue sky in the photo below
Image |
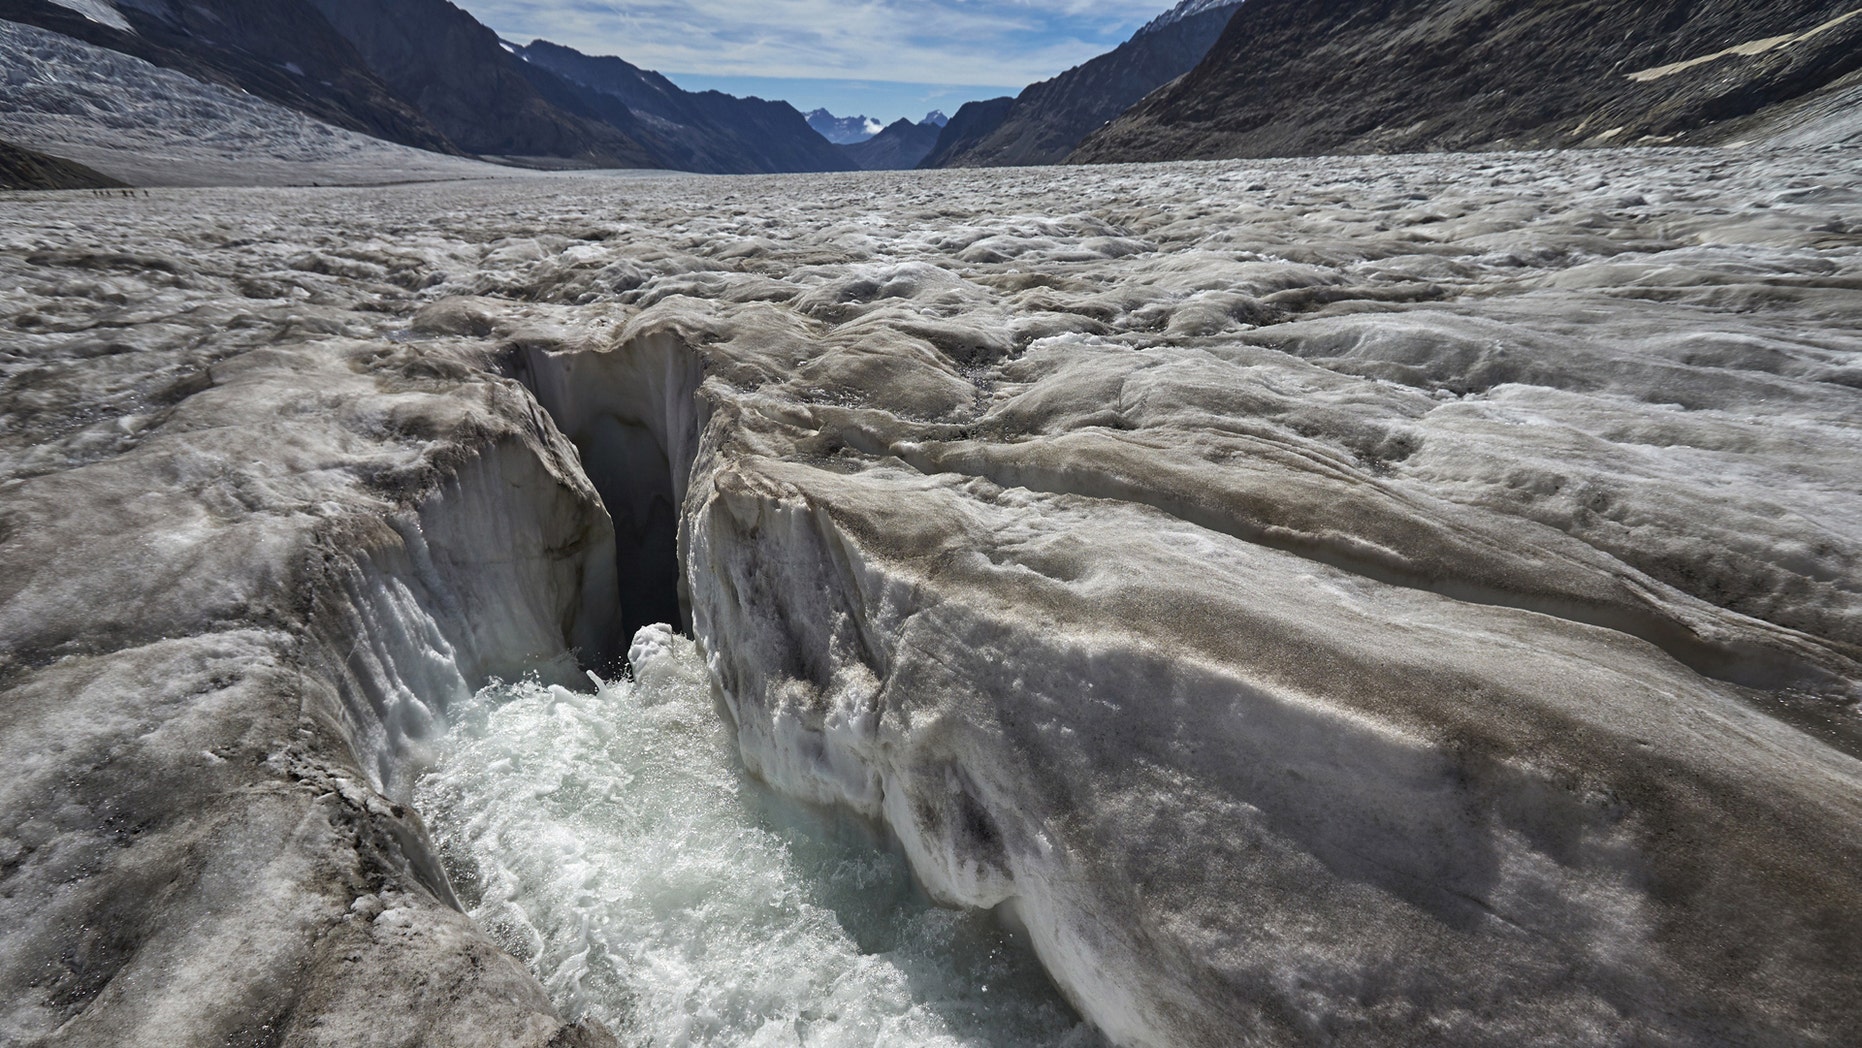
883	58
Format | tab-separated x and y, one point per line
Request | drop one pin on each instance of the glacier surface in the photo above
1362	602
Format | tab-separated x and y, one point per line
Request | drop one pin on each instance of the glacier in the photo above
1352	601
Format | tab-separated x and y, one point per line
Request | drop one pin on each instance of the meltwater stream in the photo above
614	843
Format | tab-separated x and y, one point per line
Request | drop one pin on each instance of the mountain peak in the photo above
1050	119
900	147
695	130
844	130
935	118
1185	10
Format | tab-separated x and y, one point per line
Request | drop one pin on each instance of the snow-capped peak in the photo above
844	130
1186	9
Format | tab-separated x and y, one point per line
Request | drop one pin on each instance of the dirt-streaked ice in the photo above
1345	601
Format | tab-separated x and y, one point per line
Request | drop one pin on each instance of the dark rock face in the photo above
486	100
706	131
283	51
900	147
1304	77
974	122
1050	118
25	169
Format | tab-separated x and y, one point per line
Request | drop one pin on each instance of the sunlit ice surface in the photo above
614	842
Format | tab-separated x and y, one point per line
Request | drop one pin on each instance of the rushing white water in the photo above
614	842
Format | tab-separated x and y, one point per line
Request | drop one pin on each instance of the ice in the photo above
248	557
1316	601
1306	565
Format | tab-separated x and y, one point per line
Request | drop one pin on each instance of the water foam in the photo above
614	843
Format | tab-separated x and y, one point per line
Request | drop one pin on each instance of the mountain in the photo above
22	168
418	72
1186	10
935	118
1303	77
283	51
694	131
485	99
1050	118
844	130
972	123
427	74
900	147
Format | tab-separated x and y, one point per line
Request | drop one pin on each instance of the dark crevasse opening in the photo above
634	478
634	416
616	843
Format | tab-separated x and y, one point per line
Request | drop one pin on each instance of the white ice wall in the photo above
1147	741
501	572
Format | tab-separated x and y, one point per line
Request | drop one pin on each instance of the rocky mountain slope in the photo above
148	126
417	72
426	73
902	146
283	51
706	131
486	100
1293	77
22	168
1051	118
973	122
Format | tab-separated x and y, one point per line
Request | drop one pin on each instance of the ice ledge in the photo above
1231	788
223	669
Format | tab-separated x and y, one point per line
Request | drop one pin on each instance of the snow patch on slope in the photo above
99	11
1748	49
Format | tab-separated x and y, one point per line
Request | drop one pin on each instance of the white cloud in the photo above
1010	43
